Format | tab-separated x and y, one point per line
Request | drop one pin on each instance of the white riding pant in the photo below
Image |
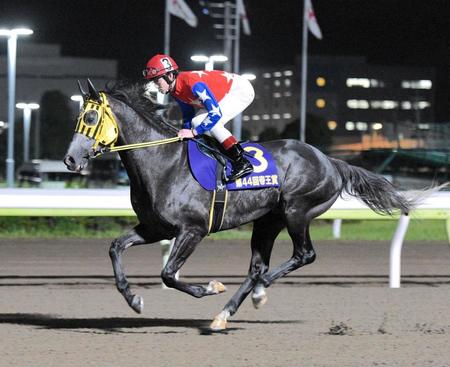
239	97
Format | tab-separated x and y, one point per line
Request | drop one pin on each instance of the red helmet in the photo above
159	65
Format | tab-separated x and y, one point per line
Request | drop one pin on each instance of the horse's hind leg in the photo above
303	254
118	246
297	221
265	230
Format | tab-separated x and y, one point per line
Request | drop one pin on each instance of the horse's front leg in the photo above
118	246
183	247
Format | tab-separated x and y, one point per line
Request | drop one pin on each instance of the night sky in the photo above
389	32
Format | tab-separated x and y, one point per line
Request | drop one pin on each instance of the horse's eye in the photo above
90	117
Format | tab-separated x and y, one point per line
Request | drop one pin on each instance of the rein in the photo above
147	144
105	130
137	145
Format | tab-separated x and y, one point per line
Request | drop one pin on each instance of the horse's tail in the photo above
374	190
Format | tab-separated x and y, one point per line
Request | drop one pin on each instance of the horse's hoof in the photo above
259	300
215	287
137	303
218	324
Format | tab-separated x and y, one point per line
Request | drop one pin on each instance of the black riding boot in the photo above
240	166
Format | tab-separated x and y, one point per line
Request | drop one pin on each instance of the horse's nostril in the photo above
68	160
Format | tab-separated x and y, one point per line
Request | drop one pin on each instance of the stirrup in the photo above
243	172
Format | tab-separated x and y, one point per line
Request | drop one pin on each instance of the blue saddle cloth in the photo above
265	174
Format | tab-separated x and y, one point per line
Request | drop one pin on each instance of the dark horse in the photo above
169	203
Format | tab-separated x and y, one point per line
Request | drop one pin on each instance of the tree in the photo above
245	134
269	133
317	132
57	124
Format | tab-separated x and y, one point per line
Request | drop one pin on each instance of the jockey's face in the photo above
163	86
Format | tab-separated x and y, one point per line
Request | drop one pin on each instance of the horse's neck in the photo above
135	129
144	164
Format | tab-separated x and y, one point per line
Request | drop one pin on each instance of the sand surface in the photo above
59	307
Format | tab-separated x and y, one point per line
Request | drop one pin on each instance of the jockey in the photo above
208	100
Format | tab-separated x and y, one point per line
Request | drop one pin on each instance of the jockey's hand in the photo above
185	134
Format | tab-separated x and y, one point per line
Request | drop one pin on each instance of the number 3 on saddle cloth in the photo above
209	174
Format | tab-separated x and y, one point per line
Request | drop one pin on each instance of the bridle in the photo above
97	121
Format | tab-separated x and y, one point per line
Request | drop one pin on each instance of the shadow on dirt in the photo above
118	324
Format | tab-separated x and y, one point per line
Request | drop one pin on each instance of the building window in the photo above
364	83
384	105
266	75
321	81
350	125
287	115
277	74
288	72
361	126
417	84
358	104
376	83
377	126
276	83
320	103
287	82
421	105
358	82
406	105
332	125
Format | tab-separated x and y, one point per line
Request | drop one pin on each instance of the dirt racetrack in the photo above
59	307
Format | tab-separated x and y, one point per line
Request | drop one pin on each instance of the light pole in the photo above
78	98
26	107
209	60
249	76
3	126
12	35
237	122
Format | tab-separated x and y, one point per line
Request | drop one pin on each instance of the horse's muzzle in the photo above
70	163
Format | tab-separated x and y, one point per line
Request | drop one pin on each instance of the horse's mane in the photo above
133	95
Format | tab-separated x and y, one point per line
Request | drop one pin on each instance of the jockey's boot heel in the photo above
240	166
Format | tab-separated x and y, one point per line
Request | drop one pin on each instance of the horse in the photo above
169	203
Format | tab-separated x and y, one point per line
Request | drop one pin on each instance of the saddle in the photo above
210	167
211	148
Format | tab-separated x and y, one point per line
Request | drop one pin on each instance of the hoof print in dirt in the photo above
429	329
340	329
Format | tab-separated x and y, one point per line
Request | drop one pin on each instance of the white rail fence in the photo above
116	202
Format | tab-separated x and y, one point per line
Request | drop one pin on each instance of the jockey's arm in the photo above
208	99
188	113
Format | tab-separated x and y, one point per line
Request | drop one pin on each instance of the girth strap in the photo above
219	202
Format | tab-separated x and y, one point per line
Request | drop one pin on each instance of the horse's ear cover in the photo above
93	94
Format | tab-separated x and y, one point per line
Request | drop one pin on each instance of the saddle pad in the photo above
265	174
